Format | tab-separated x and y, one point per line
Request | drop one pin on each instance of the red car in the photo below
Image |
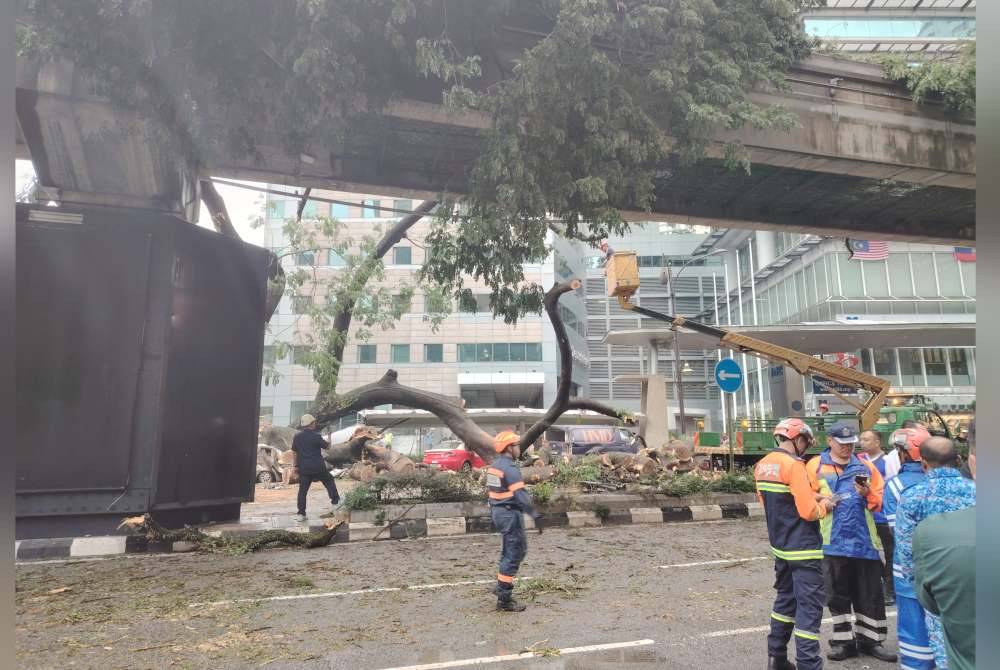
453	455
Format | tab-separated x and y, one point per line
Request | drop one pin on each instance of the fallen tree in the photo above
146	526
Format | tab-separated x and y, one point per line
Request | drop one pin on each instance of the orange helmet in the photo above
504	439
909	440
791	428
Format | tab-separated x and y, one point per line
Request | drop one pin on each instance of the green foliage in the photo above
582	124
360	497
426	487
684	485
602	512
741	481
543	492
586	469
951	81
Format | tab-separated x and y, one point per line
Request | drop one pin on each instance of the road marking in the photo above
486	660
747	631
359	592
720	562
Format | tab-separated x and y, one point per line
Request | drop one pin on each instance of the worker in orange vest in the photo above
509	501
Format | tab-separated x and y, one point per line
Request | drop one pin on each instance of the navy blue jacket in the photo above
505	486
308	446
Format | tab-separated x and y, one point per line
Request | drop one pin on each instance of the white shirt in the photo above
892	464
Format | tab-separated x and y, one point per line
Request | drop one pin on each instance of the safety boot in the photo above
506	602
877	651
840	651
779	663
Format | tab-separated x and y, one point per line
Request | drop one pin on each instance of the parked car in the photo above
268	467
453	455
580	440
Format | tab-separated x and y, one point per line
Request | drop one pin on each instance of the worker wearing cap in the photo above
792	511
509	501
310	466
915	650
852	567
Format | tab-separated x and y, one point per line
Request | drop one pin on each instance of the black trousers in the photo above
855	583
889	545
798	610
305	481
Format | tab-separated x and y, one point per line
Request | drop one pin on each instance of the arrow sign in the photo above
728	375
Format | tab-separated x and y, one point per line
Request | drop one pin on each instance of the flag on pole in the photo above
965	254
867	250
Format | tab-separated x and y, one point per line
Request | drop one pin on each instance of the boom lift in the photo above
622	273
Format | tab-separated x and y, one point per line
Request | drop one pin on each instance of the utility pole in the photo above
678	367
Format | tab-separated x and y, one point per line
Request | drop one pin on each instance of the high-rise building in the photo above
470	355
906	26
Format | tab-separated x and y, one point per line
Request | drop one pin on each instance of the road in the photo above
417	604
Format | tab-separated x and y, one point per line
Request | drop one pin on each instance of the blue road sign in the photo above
728	375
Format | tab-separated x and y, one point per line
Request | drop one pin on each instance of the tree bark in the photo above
342	455
345	311
536	474
641	465
388	391
562	400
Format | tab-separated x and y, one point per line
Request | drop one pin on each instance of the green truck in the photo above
753	438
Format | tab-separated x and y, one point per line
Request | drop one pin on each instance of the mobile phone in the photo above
861	480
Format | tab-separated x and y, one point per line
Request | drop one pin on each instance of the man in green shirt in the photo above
944	563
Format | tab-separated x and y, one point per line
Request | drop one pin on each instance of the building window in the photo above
466	353
338	211
301	304
367	353
885	363
310	211
369	211
936	366
400	353
517	351
433	353
533	351
482	305
276	210
484	353
959	367
909	367
334	260
296	409
405	205
501	352
305	258
402	303
402	256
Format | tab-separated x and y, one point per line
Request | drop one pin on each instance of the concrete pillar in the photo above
787	397
767	245
654	360
654	406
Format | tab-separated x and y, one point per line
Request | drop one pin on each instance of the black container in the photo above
139	347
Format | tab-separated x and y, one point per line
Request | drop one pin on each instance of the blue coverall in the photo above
508	502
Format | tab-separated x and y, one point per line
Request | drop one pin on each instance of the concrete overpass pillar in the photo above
766	248
654	407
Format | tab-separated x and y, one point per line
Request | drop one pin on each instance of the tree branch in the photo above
600	408
388	391
589	239
345	312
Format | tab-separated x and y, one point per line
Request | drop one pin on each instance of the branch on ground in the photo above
147	527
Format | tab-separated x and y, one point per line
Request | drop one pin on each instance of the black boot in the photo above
878	651
840	651
779	663
505	600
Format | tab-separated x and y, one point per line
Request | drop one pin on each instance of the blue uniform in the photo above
942	490
509	501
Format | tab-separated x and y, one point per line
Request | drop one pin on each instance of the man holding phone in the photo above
852	568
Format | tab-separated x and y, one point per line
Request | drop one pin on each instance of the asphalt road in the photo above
358	606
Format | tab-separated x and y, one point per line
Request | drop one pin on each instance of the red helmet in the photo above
909	440
791	428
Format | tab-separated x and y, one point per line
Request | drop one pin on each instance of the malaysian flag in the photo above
965	254
867	250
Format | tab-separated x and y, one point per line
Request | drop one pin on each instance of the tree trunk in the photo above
538	473
641	465
342	455
345	312
393	460
388	391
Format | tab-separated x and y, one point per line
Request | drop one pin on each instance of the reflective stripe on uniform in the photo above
515	486
842	635
870	634
494	471
506	495
798	554
861	618
782	618
506	579
805	634
773	487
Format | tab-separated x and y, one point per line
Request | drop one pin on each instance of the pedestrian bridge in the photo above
864	161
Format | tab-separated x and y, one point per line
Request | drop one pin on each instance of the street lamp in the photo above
680	371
